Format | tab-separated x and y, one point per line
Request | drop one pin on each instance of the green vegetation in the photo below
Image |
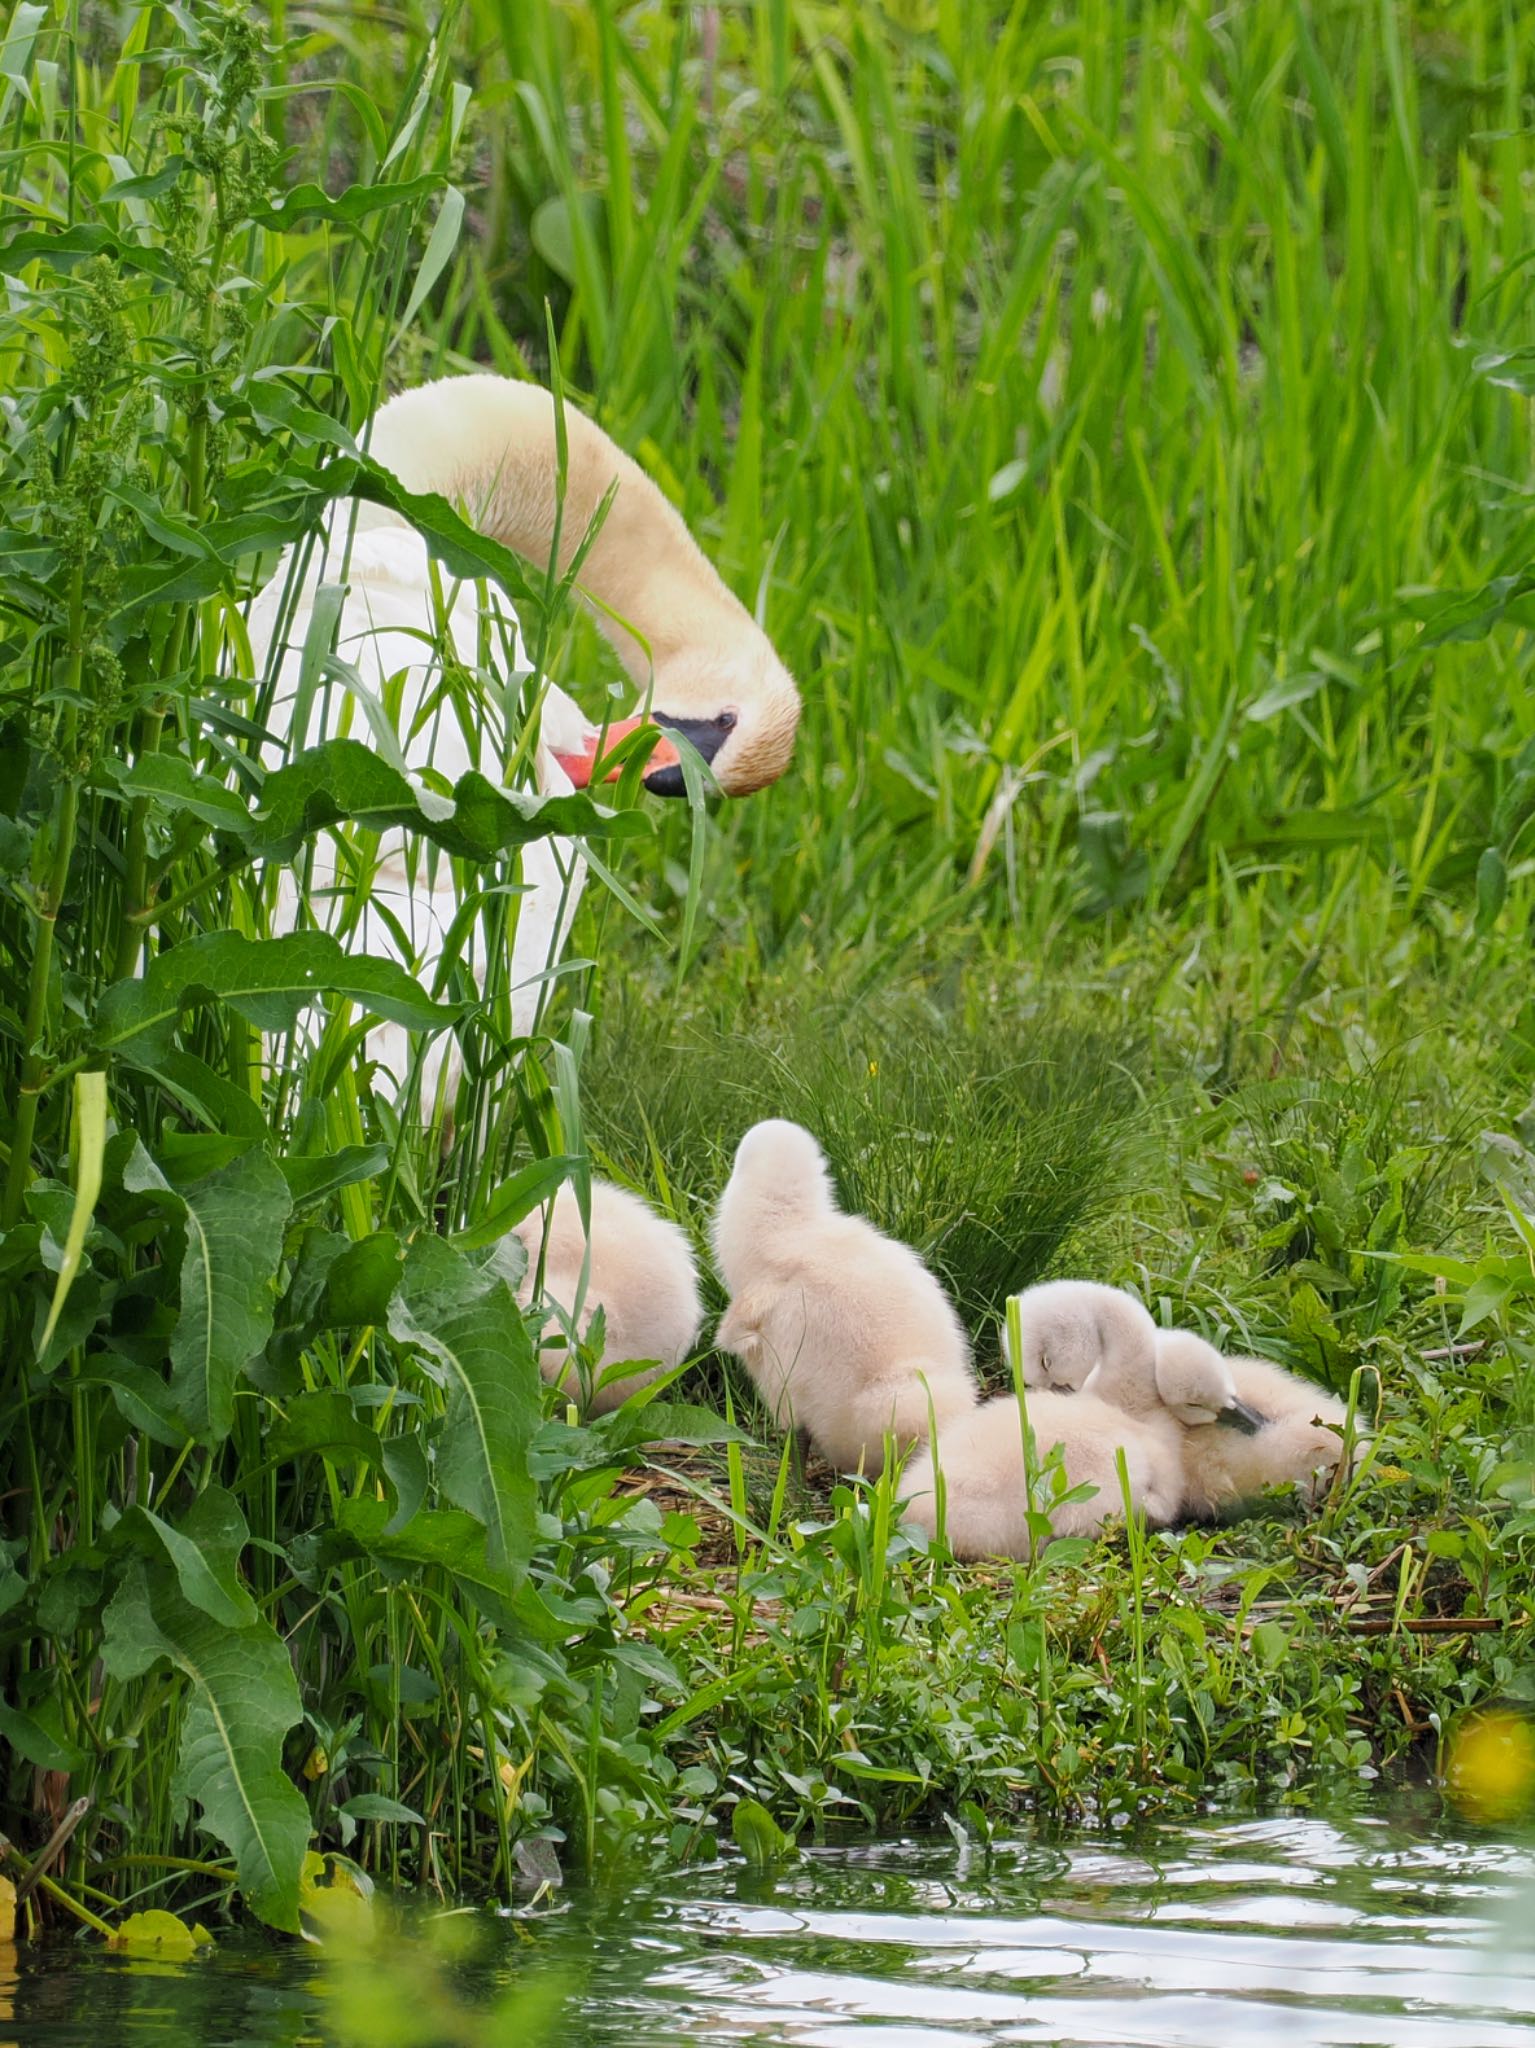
1119	418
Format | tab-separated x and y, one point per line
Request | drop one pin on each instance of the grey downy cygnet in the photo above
640	1273
845	1333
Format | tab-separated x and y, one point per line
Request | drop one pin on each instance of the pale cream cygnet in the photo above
1298	1441
1080	1335
1071	1326
637	1268
845	1333
986	1495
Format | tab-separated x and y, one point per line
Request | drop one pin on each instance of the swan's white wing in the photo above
386	642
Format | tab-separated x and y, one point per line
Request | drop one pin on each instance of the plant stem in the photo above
66	811
130	930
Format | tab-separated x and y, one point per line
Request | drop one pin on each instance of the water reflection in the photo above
1377	1932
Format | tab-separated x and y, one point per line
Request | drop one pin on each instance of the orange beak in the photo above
589	766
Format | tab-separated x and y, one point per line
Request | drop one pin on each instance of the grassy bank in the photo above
1119	420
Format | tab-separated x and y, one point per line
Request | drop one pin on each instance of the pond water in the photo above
1402	1931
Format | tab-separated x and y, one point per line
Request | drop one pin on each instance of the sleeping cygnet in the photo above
1178	1396
986	1499
1071	1326
845	1333
641	1275
1298	1442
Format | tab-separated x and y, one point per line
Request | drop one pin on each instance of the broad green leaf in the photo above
234	1226
342	780
312	1178
268	981
374	1806
90	1138
553	233
40	1739
171	781
158	1933
464	1319
326	1422
205	1551
445	1539
360	1285
244	1700
143	1399
408	1473
669	1422
758	1836
65	247
515	1199
357	202
211	1097
1270	1643
1491	888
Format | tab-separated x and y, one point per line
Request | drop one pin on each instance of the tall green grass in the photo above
1118	414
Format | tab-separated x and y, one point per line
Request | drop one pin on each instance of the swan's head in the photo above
1195	1382
736	704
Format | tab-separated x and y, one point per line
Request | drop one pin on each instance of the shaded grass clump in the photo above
991	1136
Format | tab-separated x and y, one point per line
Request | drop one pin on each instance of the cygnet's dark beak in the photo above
664	776
1237	1415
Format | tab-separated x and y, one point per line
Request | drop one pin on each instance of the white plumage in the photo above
1299	1442
701	663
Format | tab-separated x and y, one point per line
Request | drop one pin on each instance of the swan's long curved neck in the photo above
488	444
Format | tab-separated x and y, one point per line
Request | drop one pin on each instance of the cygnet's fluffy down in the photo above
986	1501
1080	1335
1070	1326
845	1333
1299	1442
641	1275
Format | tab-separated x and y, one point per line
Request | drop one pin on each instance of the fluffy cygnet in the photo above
1071	1326
1299	1441
845	1333
1078	1334
641	1275
986	1502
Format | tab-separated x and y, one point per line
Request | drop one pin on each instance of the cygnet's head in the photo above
781	1159
1071	1327
1194	1381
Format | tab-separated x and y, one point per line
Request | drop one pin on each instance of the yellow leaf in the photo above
7	1910
1492	1767
90	1141
157	1933
341	1913
316	1764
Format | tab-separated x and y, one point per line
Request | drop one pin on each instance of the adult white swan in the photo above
701	664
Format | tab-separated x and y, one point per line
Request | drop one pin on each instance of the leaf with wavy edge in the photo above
244	1701
268	981
341	779
464	1320
205	1553
234	1226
